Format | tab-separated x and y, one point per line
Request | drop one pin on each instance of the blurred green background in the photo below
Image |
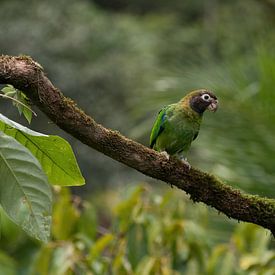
121	61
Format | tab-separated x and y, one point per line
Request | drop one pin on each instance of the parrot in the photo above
177	125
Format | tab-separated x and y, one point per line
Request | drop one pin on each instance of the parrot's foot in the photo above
164	153
185	162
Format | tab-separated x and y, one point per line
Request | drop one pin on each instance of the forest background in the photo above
121	61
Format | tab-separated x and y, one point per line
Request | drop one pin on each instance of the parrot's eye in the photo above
206	97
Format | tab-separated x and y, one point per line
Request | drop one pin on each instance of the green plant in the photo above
148	233
29	162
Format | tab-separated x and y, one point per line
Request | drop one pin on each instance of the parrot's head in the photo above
201	100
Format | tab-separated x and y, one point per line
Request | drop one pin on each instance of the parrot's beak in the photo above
213	106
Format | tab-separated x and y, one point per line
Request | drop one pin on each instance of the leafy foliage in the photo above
51	151
122	67
25	193
161	233
19	100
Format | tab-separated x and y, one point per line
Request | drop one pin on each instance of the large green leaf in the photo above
54	153
25	194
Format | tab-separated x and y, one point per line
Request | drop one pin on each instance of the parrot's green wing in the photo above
158	126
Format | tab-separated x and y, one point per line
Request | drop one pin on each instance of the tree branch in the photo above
26	75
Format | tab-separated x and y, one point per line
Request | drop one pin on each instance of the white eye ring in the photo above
206	97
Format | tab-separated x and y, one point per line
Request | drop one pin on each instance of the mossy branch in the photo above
26	75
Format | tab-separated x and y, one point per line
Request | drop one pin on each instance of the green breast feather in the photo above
174	130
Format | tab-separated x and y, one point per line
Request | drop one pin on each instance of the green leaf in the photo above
54	153
146	266
65	216
24	191
9	90
8	265
42	262
137	245
26	111
63	260
100	245
129	209
20	97
27	114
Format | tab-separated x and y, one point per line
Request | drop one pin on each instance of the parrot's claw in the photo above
164	153
185	162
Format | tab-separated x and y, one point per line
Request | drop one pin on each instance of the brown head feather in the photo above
195	102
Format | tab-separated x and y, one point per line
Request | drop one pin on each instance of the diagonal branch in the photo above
26	75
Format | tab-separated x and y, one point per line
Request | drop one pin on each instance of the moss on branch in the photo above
27	75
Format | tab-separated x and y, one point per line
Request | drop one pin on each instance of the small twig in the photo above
19	102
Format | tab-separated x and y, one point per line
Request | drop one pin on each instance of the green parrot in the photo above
178	124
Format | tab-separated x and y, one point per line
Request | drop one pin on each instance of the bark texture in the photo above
26	75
